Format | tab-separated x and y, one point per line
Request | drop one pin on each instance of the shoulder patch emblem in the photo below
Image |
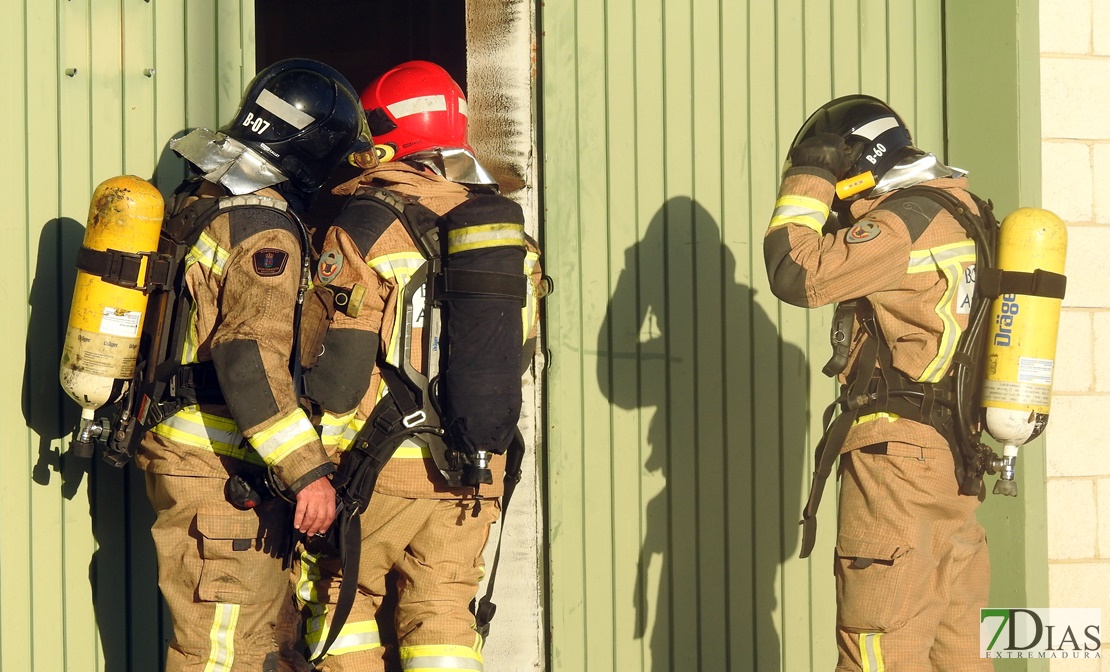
270	262
862	232
331	262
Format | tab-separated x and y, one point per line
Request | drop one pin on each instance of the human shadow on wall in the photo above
685	339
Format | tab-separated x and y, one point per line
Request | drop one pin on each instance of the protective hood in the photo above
226	161
914	169
456	164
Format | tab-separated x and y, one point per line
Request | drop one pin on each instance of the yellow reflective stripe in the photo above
215	433
305	585
440	657
221	656
409	451
349	434
528	312
871	417
397	265
207	253
949	260
332	428
804	210
530	260
506	234
284	436
871	652
353	636
189	353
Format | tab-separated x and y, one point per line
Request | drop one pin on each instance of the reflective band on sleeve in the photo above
399	266
284	436
949	260
214	433
481	236
870	652
800	210
284	110
440	657
207	253
221	656
417	105
333	427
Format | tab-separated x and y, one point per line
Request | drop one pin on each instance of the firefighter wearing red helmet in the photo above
427	520
867	220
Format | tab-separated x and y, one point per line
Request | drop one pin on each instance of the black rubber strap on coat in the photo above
828	449
486	609
350	550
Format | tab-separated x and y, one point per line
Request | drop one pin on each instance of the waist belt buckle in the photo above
413	419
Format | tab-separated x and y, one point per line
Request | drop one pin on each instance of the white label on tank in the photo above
1034	370
119	322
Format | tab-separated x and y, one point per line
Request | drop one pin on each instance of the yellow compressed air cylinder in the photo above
106	319
1021	348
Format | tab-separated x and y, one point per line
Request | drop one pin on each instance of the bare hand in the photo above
315	507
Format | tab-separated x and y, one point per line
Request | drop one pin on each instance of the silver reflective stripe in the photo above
418	105
283	110
222	655
874	129
359	641
441	663
202	431
792	211
870	652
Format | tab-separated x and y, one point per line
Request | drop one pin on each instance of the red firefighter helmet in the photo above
415	107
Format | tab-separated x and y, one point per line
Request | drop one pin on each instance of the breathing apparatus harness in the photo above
951	405
413	407
162	385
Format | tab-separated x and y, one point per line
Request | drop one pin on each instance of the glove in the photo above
823	150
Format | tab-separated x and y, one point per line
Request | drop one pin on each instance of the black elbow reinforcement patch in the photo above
342	374
243	381
787	277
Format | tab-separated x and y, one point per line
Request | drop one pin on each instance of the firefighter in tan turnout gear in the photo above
911	562
232	411
430	513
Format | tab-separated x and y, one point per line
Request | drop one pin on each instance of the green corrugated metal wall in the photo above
683	398
105	85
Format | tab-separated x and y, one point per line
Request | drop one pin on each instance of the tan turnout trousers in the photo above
911	563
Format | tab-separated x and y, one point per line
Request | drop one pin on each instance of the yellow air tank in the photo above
1021	347
105	322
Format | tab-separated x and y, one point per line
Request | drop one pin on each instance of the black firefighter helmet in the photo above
304	117
875	136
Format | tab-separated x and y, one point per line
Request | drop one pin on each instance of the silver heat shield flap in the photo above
914	170
226	161
457	165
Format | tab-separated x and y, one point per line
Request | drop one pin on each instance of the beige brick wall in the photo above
1075	138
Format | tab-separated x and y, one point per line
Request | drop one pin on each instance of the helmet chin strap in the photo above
455	164
914	169
226	161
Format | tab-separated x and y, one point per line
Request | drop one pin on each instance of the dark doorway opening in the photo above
362	39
